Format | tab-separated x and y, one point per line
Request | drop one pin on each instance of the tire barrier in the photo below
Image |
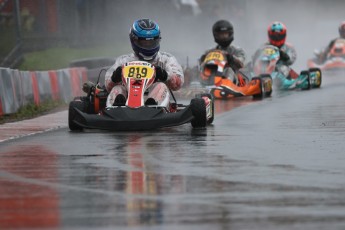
20	88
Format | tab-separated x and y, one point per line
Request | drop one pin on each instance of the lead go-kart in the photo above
213	79
90	112
266	61
335	58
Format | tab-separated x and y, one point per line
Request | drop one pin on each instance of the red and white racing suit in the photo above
158	91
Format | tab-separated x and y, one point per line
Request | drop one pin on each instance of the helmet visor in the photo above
222	35
147	43
277	37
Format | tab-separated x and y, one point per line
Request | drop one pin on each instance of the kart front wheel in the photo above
210	110
72	113
198	108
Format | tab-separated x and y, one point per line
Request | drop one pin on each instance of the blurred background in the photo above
35	25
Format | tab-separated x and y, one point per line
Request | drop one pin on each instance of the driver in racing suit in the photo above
223	33
276	37
323	55
145	39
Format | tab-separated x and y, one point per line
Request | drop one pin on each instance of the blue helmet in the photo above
145	38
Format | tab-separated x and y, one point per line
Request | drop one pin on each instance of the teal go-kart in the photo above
267	62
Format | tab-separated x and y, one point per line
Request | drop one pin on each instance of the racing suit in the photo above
237	55
158	91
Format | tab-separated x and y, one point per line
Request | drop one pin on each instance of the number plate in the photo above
215	55
138	70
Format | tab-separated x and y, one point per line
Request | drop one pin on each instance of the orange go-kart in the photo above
213	76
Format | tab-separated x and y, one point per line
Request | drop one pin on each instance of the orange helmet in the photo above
277	34
342	29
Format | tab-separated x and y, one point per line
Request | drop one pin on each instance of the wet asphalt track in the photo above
271	164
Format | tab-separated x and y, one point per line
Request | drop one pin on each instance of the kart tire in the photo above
309	83
198	108
209	121
264	77
269	93
81	105
317	70
262	94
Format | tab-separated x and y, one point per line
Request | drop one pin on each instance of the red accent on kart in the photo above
293	74
135	92
172	108
241	81
96	100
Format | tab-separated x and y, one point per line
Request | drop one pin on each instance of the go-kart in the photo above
213	76
335	59
91	112
266	61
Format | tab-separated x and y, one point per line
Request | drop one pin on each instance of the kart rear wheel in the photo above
262	87
267	84
198	108
210	120
318	83
80	105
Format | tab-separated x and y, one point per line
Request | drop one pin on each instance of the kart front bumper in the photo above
129	119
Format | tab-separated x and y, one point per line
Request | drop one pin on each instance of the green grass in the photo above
32	110
59	58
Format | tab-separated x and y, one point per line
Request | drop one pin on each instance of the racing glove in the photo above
117	75
233	62
230	58
161	74
283	56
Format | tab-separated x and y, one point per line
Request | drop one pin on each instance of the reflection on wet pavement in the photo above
265	165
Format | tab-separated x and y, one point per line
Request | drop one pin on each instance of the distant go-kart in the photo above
266	62
335	59
213	76
90	112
